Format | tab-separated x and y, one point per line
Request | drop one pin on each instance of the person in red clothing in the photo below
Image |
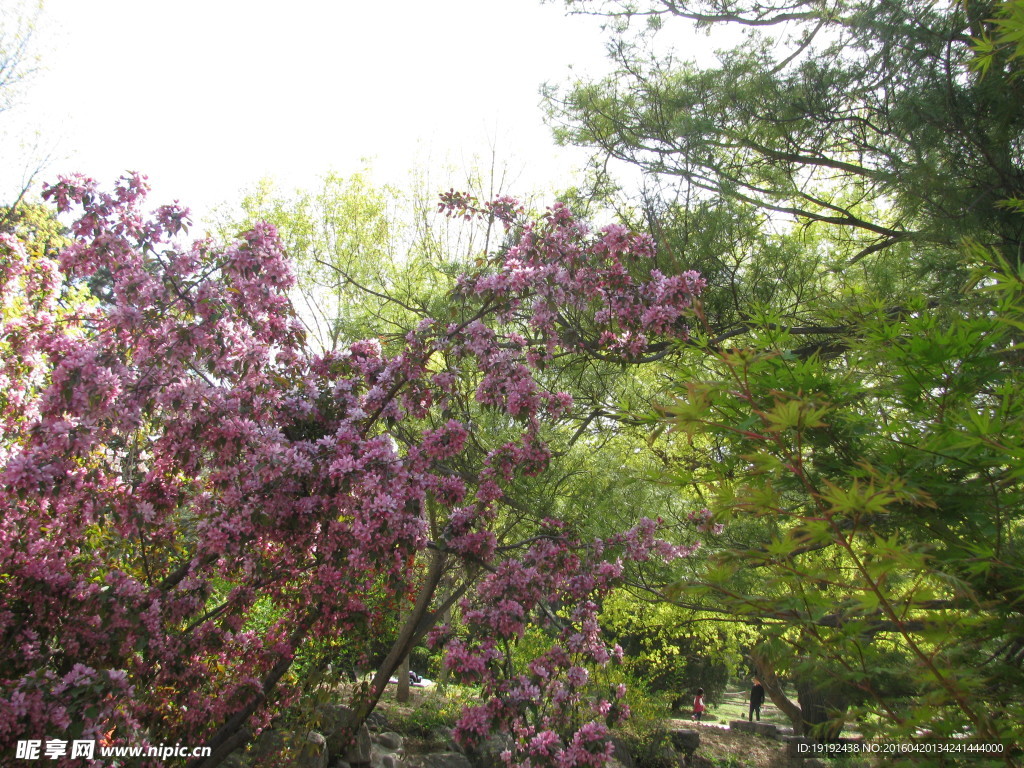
698	705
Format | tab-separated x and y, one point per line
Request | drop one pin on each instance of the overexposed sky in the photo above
207	96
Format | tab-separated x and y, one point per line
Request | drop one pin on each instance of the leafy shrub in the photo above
435	711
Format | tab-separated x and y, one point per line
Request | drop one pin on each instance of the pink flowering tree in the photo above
172	456
554	713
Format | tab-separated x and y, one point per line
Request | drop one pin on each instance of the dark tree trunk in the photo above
402	692
416	624
823	705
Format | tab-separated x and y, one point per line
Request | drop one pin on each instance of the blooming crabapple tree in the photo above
165	432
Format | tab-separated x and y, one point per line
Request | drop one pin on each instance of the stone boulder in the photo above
333	718
744	726
314	751
389	740
768	730
384	758
358	752
685	740
487	754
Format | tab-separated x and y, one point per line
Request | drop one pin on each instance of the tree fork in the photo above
773	687
235	733
411	632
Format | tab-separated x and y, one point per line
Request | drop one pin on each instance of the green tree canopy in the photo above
866	116
848	177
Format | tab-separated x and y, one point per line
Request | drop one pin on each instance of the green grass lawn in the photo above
734	706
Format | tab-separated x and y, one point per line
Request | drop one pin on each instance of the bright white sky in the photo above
207	96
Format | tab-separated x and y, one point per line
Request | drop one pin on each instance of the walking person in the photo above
756	700
698	705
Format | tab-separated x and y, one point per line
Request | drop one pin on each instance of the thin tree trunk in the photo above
773	688
407	637
402	694
235	732
402	689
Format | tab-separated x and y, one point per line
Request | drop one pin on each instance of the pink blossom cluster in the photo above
557	582
173	458
704	520
169	433
559	271
505	209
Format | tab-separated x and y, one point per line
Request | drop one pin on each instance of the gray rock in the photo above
358	753
314	752
769	730
377	721
685	740
333	719
741	725
389	740
386	757
488	753
664	754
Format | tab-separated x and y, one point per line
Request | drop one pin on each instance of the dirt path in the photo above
748	750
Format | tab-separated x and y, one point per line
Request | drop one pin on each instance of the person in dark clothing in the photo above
756	700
